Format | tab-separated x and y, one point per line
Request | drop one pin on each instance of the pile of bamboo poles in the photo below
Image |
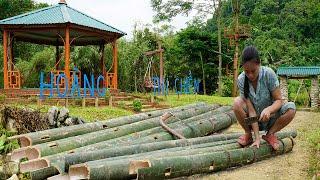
139	146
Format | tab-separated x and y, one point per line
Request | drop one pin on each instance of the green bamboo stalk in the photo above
57	162
100	154
198	128
69	131
170	167
119	168
174	123
144	151
70	143
43	173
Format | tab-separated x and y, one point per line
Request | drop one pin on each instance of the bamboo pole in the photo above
57	161
156	166
129	139
170	167
70	143
69	131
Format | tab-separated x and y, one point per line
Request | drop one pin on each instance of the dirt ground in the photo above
289	166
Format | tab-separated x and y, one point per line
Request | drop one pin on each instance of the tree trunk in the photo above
220	85
203	75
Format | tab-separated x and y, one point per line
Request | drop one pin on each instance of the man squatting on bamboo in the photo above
260	95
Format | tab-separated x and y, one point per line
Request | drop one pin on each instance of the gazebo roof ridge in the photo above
27	13
60	13
96	19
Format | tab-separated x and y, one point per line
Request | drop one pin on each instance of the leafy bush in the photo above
227	82
2	98
122	104
108	95
303	98
137	105
78	101
7	146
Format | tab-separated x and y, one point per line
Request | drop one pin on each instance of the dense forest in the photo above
286	32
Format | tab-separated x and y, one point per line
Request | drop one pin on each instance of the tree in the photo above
168	10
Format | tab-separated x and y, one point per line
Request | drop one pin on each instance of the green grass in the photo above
88	113
93	113
102	113
314	158
174	100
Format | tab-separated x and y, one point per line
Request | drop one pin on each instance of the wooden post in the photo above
66	102
83	102
57	56
39	102
161	70
103	64
67	55
115	64
236	53
5	59
314	92
11	67
96	102
110	101
284	88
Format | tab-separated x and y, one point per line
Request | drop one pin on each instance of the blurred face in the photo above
251	69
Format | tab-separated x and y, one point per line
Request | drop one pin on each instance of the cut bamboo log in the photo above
198	128
179	165
57	162
70	143
58	158
69	131
146	149
43	173
164	168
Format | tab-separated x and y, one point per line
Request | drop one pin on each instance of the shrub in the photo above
303	98
122	104
108	95
7	146
2	98
137	105
227	84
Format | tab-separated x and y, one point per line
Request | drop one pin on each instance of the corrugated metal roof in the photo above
299	71
58	14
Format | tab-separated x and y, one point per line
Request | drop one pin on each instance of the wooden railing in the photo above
14	79
111	81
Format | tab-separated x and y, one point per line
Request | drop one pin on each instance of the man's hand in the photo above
256	143
265	115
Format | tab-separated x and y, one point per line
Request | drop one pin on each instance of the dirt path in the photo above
289	166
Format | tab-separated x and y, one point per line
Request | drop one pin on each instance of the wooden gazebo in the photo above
58	25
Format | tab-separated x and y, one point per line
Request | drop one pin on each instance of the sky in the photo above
121	14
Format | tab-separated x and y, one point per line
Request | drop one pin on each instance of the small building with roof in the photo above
301	72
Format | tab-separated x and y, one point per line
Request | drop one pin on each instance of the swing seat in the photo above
149	84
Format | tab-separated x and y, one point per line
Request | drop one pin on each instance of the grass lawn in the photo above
175	100
88	113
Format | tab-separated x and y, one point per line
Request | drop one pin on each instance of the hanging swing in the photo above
148	83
